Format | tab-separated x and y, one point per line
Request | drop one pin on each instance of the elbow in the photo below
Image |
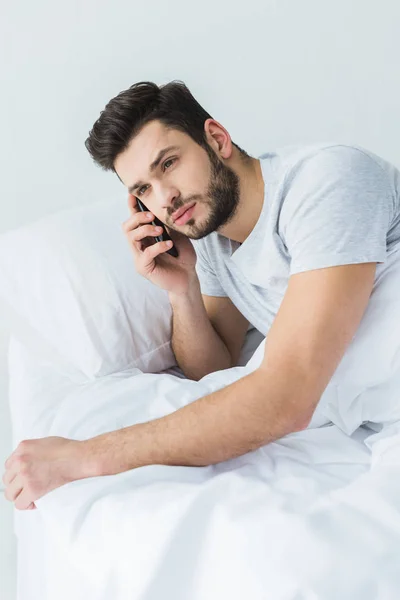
301	422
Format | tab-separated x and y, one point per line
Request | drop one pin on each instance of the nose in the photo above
168	198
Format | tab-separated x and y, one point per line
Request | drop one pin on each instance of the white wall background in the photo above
272	72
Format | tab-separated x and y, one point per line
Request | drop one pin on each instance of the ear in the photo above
218	138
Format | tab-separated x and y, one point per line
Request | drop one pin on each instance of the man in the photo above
287	243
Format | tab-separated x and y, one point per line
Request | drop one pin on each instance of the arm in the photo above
207	332
317	319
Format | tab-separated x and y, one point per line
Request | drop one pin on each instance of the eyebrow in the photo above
153	166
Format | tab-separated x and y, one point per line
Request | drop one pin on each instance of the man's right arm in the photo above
207	332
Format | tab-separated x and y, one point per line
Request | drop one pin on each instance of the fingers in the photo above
137	219
14	488
135	224
154	250
132	204
138	234
137	228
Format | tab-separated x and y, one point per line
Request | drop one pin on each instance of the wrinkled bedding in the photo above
313	515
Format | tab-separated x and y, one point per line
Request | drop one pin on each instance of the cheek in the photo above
196	179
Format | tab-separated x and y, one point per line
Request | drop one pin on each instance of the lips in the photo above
181	211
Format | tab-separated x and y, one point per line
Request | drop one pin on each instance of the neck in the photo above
250	201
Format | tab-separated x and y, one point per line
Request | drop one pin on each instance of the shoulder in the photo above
307	166
289	160
335	161
336	173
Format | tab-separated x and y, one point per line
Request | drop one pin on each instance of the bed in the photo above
313	516
43	571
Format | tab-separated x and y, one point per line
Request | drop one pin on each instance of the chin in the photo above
197	234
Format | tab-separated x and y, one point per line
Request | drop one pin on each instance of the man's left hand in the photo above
36	467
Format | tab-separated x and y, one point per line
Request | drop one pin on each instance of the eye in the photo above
140	190
169	160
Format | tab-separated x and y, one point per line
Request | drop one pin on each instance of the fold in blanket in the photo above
303	517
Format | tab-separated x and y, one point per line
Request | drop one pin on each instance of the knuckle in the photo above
143	217
33	488
136	235
142	232
128	225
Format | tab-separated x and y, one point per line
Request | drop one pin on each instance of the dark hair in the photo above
123	117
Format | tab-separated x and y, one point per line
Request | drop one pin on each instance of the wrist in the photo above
192	291
114	452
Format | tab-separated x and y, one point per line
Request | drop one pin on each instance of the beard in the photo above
223	194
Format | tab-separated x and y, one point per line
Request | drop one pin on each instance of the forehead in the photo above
134	162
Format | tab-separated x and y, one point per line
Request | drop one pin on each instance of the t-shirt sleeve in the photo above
209	282
337	211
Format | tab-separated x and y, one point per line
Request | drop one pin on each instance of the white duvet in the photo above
313	516
302	518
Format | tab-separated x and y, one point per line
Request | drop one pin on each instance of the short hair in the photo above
124	116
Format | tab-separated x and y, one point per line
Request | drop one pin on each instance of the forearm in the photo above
198	348
230	422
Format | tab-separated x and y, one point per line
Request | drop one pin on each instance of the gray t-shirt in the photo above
324	205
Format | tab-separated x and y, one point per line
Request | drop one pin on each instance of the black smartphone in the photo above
164	235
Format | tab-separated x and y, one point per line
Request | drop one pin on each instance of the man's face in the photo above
185	175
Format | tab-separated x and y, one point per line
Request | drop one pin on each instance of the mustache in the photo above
180	203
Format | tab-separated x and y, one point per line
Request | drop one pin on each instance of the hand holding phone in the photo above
164	236
153	260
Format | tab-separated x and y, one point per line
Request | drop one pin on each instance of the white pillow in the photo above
70	291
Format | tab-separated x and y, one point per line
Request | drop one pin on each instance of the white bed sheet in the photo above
42	570
304	518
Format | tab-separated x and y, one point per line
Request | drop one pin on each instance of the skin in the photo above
229	192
